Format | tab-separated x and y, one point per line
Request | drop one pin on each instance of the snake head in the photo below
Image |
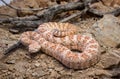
34	47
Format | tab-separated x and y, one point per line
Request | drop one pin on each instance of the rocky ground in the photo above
19	65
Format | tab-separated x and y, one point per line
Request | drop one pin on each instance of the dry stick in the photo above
95	12
27	24
33	21
74	15
115	12
77	14
26	18
16	8
70	17
46	16
51	12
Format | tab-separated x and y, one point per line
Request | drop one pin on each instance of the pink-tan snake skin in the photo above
58	40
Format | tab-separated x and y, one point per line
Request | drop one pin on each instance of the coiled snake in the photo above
58	39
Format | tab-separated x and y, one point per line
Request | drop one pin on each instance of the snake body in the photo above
58	39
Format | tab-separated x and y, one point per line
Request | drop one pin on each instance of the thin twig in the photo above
95	12
115	12
74	15
70	17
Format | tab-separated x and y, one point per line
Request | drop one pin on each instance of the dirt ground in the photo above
19	65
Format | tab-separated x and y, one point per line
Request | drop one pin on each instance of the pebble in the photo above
34	74
37	64
10	61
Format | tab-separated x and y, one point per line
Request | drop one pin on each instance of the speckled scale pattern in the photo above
59	44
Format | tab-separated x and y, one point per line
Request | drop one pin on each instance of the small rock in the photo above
10	61
42	56
34	74
37	64
59	68
38	72
11	69
54	74
14	31
4	71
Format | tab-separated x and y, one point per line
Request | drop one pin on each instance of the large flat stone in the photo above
107	31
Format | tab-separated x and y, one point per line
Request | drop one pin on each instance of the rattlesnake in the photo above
58	39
